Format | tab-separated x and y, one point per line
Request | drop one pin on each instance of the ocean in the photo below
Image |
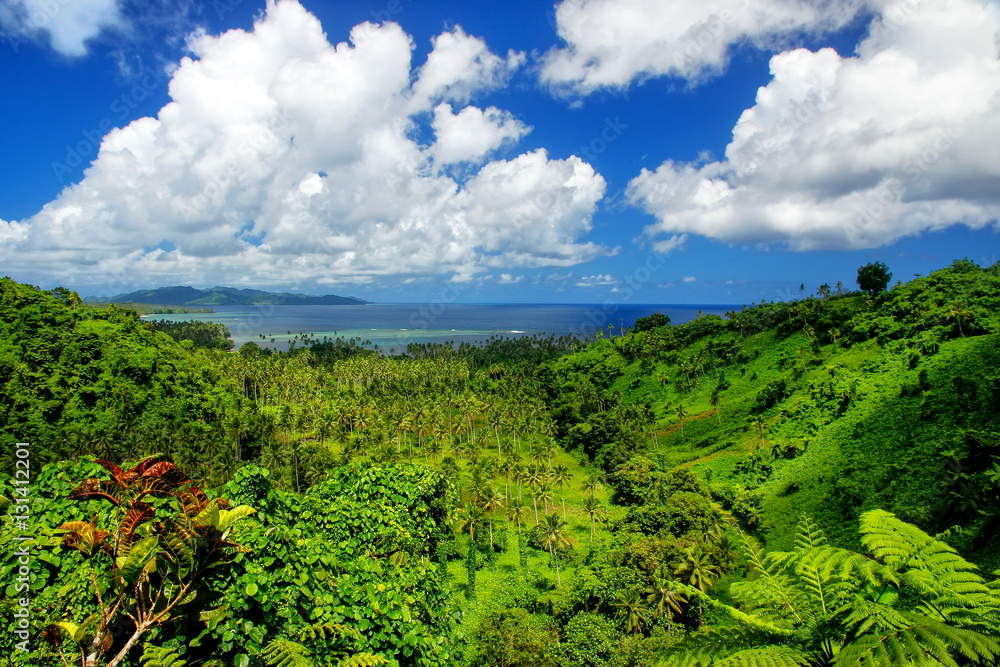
392	326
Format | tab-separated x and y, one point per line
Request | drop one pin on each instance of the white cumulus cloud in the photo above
12	231
459	66
67	23
285	159
610	43
471	134
596	280
854	152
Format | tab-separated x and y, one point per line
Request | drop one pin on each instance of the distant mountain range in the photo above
225	296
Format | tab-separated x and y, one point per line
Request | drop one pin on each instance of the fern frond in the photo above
756	624
363	660
328	631
767	656
887	637
865	616
926	564
821	572
706	646
775	587
762	602
156	656
902	545
978	647
284	653
808	535
888	651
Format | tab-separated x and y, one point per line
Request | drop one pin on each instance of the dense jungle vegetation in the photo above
811	483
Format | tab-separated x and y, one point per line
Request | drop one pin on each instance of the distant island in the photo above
224	296
146	308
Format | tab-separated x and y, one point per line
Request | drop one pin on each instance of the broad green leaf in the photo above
138	557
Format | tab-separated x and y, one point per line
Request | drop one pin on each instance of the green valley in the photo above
803	483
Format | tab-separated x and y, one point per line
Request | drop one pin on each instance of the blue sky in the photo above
697	151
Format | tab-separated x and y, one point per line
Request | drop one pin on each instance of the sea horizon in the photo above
390	327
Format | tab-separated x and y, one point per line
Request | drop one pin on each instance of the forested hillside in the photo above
75	381
805	483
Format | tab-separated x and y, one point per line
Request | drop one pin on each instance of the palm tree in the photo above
293	447
517	511
561	477
533	478
237	427
469	517
548	429
496	421
634	614
759	422
714	400
663	379
681	414
957	312
664	596
508	469
649	415
545	493
460	449
549	449
491	500
536	456
591	484
725	554
593	508
555	536
698	571
272	458
434	447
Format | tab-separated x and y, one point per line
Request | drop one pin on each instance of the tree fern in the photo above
767	656
926	563
155	656
949	586
708	645
920	641
808	535
751	621
913	601
285	653
363	660
772	588
328	631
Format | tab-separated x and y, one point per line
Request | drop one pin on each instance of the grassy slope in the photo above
880	448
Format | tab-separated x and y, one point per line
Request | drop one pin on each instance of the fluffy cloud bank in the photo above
283	159
855	152
610	43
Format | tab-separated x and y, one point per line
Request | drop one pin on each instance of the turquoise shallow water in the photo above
393	326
